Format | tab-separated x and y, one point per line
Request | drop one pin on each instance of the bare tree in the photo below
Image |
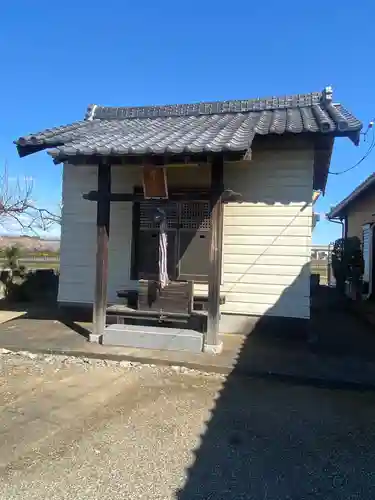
17	205
45	219
15	199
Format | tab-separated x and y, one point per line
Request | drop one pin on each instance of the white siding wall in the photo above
78	235
78	238
267	238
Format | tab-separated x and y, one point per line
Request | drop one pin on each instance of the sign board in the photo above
154	182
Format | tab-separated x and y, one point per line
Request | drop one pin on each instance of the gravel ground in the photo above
81	429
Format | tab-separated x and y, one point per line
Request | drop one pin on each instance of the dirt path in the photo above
72	430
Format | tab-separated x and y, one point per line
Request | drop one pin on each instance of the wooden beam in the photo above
212	343
136	217
163	160
229	196
102	240
322	160
226	196
134	197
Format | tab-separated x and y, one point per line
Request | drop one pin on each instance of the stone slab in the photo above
151	337
6	316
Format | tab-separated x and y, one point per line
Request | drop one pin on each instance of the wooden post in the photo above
102	238
212	342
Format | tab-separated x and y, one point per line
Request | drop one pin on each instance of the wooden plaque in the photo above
155	182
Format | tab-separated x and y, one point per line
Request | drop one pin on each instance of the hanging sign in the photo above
154	180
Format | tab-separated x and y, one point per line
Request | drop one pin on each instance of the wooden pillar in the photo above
212	342
102	239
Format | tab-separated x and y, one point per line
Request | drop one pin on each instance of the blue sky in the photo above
57	57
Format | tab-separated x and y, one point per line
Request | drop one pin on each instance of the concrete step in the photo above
153	337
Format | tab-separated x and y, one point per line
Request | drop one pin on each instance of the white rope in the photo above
163	259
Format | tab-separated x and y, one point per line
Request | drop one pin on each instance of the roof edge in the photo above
337	211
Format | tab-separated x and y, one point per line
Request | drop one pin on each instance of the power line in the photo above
366	155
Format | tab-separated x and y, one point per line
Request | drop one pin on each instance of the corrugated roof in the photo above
192	128
341	207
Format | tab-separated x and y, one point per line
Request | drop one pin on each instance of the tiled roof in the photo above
192	128
340	209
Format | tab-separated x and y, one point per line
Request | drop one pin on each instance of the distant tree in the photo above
347	262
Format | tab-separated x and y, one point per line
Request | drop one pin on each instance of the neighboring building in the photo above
320	263
249	256
357	209
319	252
356	212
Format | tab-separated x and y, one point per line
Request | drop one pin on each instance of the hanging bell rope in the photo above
163	246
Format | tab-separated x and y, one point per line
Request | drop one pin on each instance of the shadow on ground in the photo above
48	311
340	332
278	443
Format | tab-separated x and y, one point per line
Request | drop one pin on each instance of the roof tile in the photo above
191	128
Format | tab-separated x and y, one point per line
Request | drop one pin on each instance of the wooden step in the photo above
121	314
123	310
199	299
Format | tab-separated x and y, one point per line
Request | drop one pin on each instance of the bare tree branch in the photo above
16	205
15	198
44	219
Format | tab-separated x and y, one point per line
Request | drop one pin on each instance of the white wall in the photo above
78	235
267	238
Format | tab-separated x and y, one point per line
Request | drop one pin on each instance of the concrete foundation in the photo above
213	349
237	323
270	325
151	337
96	338
229	323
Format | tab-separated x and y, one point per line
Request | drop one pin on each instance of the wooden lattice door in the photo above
194	240
188	232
